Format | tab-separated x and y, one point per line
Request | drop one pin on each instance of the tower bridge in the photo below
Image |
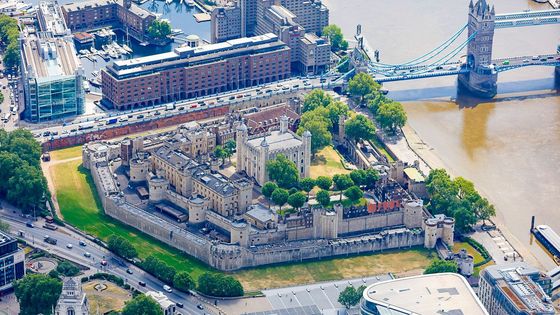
476	70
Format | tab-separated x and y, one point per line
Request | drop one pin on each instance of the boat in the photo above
93	50
104	55
127	49
176	31
549	239
113	54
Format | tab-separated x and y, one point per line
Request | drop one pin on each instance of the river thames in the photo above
509	146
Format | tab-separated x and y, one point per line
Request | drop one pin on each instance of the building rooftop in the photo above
216	182
50	18
161	299
175	157
442	293
517	282
277	141
260	213
413	174
47	57
271	116
5	238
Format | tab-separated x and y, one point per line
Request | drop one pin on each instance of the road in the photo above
113	119
34	236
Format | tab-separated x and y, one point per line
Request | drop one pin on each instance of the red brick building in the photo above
189	72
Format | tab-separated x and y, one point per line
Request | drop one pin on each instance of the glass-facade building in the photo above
53	98
11	262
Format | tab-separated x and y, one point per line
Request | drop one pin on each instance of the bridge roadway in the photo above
527	22
528	14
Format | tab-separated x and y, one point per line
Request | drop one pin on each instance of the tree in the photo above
354	193
27	187
320	134
372	176
307	185
316	98
122	247
324	182
67	269
159	29
359	127
351	296
220	153
323	198
361	85
159	269
335	109
183	281
37	293
280	197
440	266
358	177
219	285
297	200
230	147
12	56
391	116
142	305
4	227
268	188
318	114
283	171
334	33
342	182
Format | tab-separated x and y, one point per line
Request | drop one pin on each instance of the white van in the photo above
167	288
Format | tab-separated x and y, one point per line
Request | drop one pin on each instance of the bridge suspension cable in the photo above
427	56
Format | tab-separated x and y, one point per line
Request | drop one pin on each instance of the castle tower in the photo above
412	216
157	187
283	124
72	300
448	231
263	157
138	170
241	137
197	209
430	232
239	233
307	153
481	79
341	128
325	224
245	195
397	171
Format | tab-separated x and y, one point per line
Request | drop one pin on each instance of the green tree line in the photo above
9	33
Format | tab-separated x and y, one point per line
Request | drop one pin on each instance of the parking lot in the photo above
323	295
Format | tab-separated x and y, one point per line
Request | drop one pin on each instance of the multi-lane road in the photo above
111	119
35	237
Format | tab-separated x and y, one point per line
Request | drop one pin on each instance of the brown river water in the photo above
508	146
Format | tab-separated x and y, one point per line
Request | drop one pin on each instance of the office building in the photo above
12	262
52	77
50	19
225	24
440	293
515	289
254	151
188	72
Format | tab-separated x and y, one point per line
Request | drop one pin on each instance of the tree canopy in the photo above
324	182
342	182
142	305
122	247
351	296
159	29
316	98
458	199
360	127
361	85
323	197
67	269
219	285
391	116
334	33
268	188
440	266
280	197
283	171
307	184
320	134
183	281
354	193
9	34
159	269
37	293
297	200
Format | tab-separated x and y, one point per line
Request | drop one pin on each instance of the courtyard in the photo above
327	162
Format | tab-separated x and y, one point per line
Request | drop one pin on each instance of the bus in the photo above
50	226
84	126
49	219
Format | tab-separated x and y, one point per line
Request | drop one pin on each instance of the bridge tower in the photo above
481	79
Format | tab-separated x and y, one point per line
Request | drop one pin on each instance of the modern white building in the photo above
253	152
440	293
12	260
72	300
167	306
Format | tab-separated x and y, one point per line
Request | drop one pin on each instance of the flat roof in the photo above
51	18
277	141
412	173
441	293
50	57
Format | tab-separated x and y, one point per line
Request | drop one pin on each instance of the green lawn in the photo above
395	261
477	257
81	207
67	153
327	162
381	148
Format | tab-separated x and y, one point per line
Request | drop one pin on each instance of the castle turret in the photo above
413	214
245	195
283	124
325	224
157	187
431	234
263	156
240	233
448	231
197	209
307	155
241	137
138	170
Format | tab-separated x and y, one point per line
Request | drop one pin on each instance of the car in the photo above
157	113
231	98
87	254
29	224
82	243
306	84
550	57
535	58
505	62
128	271
181	108
200	307
103	262
543	59
140	116
285	88
142	283
54	133
167	288
179	304
69	246
46	133
525	60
